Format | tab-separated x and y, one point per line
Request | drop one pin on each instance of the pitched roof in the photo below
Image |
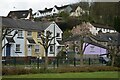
50	9
45	10
24	24
20	24
86	39
43	25
113	38
19	14
62	7
102	26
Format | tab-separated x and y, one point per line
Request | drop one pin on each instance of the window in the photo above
58	35
76	49
20	33
29	33
54	10
37	48
51	49
38	35
17	47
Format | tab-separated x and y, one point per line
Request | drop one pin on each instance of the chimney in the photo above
45	8
100	32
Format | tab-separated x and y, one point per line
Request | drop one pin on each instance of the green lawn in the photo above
69	75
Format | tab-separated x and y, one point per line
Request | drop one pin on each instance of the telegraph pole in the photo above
0	47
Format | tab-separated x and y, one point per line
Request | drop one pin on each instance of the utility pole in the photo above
0	47
54	44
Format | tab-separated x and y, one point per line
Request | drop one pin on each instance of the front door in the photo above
29	50
8	50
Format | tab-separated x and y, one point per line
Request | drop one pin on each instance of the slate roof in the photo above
102	26
86	39
46	10
62	7
20	24
113	38
50	9
43	25
19	14
24	24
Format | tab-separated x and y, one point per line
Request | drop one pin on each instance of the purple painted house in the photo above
94	49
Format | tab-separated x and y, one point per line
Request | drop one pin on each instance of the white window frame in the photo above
57	34
29	33
37	48
51	49
38	35
18	47
20	33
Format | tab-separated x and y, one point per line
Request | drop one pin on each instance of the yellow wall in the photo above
34	36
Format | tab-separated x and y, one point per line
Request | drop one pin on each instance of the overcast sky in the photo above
8	5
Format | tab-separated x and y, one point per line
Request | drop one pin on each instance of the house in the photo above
53	11
15	47
92	50
21	14
25	44
96	28
56	31
92	28
78	11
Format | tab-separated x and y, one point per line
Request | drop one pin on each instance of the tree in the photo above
83	31
46	40
5	32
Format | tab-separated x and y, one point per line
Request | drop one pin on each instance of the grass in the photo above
68	75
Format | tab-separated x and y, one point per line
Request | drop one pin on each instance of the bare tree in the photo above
5	32
46	40
83	31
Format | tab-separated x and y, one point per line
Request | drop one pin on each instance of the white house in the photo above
52	11
57	32
77	12
96	28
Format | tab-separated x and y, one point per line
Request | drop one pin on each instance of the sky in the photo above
11	5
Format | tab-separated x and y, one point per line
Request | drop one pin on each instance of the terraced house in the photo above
25	43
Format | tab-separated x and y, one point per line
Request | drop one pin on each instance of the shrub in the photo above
19	71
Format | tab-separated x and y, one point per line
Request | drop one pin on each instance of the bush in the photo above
19	71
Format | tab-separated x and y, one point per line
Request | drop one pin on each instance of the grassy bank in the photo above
108	74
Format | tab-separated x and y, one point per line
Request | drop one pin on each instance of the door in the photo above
29	50
8	50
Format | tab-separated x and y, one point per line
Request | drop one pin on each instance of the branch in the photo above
86	44
6	33
51	41
4	45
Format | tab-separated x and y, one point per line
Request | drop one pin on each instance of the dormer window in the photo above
29	33
23	14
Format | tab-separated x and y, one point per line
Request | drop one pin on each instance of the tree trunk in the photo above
46	60
81	60
113	61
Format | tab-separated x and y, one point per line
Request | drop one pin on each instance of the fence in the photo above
54	62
